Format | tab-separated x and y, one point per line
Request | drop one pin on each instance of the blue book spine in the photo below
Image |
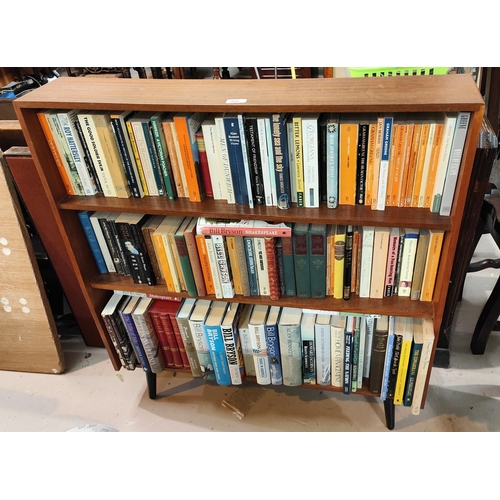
387	365
347	362
218	355
332	162
83	215
274	355
235	152
135	340
281	163
154	159
252	270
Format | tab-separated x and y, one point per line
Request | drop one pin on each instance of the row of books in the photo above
404	160
225	258
277	345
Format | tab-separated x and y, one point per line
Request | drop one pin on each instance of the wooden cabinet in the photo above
363	95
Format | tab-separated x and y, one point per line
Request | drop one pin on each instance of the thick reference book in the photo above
301	254
317	260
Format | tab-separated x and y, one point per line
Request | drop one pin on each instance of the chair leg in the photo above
487	321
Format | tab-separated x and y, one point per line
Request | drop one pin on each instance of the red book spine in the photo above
180	342
169	333
205	172
162	339
272	268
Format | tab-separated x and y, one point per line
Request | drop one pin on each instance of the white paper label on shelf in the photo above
236	101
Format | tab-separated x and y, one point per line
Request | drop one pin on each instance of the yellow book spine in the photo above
171	263
402	371
412	164
347	163
175	254
235	268
398	164
432	264
162	260
406	164
137	158
205	264
436	150
422	151
338	266
299	166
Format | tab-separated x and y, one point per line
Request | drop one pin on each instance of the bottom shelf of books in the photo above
228	342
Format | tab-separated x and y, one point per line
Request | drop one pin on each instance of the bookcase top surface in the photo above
388	94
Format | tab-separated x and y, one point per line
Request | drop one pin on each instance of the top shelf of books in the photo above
437	93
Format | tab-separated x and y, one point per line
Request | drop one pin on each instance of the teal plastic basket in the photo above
366	72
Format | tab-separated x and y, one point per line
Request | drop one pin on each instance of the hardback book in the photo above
298	173
212	148
407	329
110	154
414	363
392	260
355	354
62	167
310	153
437	145
379	260
332	160
337	331
432	264
395	357
84	217
189	234
322	341
127	156
217	350
182	319
118	335
370	160
362	347
205	264
265	160
290	345
378	156
259	246
450	121
196	325
242	227
67	120
384	162
214	266
348	150
171	311
348	349
225	163
135	340
408	261
160	145
387	359
272	267
280	157
147	334
367	239
205	169
186	126
348	262
301	254
165	334
273	346
379	346
362	159
251	265
255	162
339	261
101	239
370	327
232	343
242	265
419	266
289	266
140	123
278	249
224	266
174	154
257	329
307	327
317	260
65	153
236	159
246	345
330	251
423	369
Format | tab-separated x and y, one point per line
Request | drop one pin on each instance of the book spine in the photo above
131	252
235	155
332	166
168	132
204	167
291	161
194	259
185	263
308	355
235	268
234	355
337	346
136	342
212	150
431	265
202	349
254	150
361	163
402	372
147	234
135	151
347	372
242	265
251	266
162	156
290	347
289	267
387	365
112	245
261	265
310	154
162	339
298	160
229	187
384	163
274	355
110	328
392	258
149	341
83	215
379	347
187	340
205	264
412	374
265	164
224	265
369	326
393	372
323	359
246	161
280	156
407	264
218	355
260	354
301	263
272	268
317	261
214	267
153	158
246	349
355	383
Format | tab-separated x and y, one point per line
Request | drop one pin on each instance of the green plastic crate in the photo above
365	72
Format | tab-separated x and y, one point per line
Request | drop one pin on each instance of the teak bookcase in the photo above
374	95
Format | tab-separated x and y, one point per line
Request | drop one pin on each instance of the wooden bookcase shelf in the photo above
439	93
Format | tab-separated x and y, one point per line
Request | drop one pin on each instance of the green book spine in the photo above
317	260
163	158
185	263
301	260
412	374
148	136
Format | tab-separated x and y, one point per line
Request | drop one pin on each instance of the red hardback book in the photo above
205	171
272	268
180	342
162	338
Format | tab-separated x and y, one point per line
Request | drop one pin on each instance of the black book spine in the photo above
322	159
145	260
255	161
393	373
111	242
120	248
86	156
281	266
131	252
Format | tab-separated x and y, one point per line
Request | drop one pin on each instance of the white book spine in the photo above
366	261
427	162
201	345
171	263
261	128
226	168
246	348
149	341
310	159
231	349
223	263
214	266
337	348
260	357
147	167
407	263
246	163
422	375
291	161
102	244
270	155
291	355
323	353
213	156
261	264
94	146
370	323
384	164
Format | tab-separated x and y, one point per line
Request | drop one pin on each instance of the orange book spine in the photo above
406	164
347	163
412	164
398	163
205	264
422	150
52	145
392	163
370	164
181	127
431	265
163	262
137	158
174	160
436	149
